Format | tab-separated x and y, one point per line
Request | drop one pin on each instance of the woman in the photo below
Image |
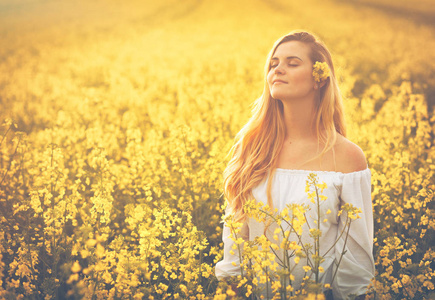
298	128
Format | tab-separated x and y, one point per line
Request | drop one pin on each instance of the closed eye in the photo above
290	65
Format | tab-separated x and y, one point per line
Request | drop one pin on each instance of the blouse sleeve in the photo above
225	267
357	265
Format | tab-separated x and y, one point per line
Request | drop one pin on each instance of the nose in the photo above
279	69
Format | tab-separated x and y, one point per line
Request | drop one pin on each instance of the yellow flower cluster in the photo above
267	263
320	71
402	168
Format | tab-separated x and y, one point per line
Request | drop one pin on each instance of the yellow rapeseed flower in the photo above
320	71
75	267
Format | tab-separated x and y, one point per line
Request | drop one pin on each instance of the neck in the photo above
299	120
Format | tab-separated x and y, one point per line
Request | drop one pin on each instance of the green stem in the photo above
408	296
292	229
95	287
4	136
188	178
317	238
336	240
238	248
53	238
344	247
10	162
267	283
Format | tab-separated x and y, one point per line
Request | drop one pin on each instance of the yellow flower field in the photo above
117	120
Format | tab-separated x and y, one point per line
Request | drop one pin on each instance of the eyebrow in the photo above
288	58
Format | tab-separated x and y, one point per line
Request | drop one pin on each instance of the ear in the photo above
322	84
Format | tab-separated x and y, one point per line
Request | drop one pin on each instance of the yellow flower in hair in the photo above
320	71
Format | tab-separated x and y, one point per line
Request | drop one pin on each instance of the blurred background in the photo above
55	48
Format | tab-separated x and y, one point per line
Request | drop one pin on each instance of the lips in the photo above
279	81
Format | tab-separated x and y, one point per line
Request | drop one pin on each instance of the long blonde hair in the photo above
259	142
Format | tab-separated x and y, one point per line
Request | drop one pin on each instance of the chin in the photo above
279	96
280	93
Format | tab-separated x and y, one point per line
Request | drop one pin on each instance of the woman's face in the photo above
290	74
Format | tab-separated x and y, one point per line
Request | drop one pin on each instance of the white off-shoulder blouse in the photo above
357	266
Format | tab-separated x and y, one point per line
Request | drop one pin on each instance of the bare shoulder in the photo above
349	156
